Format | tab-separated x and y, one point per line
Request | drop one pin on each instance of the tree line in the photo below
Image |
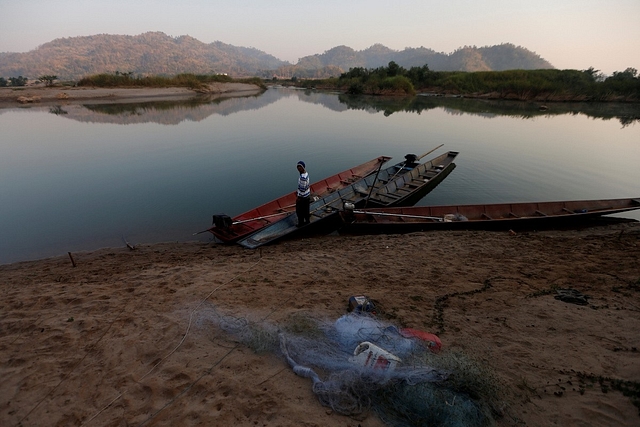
517	84
127	79
192	81
544	84
22	81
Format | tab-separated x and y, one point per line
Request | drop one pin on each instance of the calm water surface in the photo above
80	177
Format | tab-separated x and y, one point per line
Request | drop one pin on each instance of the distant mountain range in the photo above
492	58
156	53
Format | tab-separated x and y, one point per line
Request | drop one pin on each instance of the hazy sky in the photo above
577	34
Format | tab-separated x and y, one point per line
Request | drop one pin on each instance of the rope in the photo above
208	371
300	370
91	347
184	337
189	387
191	319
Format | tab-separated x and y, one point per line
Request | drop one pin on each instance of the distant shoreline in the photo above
11	97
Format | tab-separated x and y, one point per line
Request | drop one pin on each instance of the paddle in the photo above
260	217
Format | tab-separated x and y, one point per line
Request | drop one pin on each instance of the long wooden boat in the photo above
406	189
229	230
325	211
503	216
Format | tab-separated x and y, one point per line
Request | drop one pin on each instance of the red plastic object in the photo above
433	342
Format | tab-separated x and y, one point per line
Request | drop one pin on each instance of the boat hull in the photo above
507	216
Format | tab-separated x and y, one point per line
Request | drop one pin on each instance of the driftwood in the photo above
28	99
71	258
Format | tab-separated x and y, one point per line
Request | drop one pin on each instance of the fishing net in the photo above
412	386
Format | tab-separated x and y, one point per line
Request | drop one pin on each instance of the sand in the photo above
122	338
41	95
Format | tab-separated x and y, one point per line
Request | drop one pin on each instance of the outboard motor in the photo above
410	159
222	221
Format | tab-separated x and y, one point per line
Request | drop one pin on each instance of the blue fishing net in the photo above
416	388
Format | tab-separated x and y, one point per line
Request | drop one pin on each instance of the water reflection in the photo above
199	108
165	112
626	113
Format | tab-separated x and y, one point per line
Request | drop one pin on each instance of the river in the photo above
82	177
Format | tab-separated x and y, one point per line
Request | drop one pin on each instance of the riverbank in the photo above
17	96
127	337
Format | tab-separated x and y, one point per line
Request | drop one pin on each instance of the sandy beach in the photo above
133	337
41	95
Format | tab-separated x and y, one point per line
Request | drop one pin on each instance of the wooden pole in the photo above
430	151
72	261
435	218
373	185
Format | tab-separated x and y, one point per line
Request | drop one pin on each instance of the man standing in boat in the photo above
304	195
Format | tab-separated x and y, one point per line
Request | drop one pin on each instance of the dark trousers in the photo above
302	209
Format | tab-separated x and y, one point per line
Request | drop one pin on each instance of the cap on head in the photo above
301	163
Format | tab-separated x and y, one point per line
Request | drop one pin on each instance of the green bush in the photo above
397	84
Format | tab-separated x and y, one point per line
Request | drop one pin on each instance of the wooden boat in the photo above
406	189
502	216
229	230
325	211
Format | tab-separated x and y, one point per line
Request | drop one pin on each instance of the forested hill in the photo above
156	53
152	53
491	58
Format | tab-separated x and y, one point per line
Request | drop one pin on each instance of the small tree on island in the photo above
18	81
48	79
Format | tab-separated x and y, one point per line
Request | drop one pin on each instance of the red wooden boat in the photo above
325	210
229	230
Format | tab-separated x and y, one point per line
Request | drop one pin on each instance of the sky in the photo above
570	34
